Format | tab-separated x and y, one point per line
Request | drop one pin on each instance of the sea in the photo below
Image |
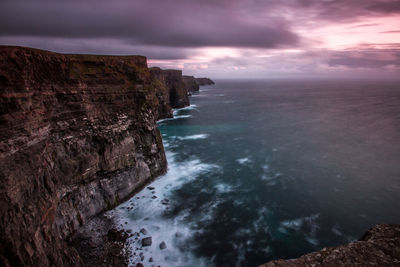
269	169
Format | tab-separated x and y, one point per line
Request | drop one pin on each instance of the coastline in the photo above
80	137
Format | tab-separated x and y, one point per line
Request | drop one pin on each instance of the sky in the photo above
219	38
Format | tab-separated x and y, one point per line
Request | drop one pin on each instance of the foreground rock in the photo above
99	243
380	246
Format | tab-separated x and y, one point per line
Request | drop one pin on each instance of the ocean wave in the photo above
175	118
243	160
147	209
193	137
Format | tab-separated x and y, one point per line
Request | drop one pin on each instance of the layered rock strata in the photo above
191	83
158	79
380	246
77	136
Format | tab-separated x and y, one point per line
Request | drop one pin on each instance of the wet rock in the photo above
143	231
150	187
165	201
163	245
139	265
154	197
116	235
151	259
146	241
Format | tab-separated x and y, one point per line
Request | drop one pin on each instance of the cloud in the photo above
247	37
390	32
371	59
385	7
170	23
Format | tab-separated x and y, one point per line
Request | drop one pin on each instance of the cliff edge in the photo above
77	136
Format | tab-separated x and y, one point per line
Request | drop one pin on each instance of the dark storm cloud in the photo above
172	23
178	23
385	6
345	10
174	29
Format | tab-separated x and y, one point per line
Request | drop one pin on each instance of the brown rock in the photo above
77	136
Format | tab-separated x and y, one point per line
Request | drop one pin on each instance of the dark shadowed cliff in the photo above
158	79
178	94
77	136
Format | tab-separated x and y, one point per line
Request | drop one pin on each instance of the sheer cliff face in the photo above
191	83
77	136
178	94
159	81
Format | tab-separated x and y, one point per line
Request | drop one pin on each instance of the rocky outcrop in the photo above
204	81
158	79
380	246
190	83
178	94
77	136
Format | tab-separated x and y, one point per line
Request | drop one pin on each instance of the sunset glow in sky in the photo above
219	38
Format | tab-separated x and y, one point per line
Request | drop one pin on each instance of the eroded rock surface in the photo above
77	136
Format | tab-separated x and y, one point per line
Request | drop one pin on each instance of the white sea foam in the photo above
298	224
191	107
269	176
243	160
147	210
176	118
193	137
223	188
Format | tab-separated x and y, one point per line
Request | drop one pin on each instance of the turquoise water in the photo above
262	170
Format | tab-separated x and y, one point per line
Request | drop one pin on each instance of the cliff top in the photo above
88	57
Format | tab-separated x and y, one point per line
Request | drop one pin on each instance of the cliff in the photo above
77	136
190	83
159	81
178	94
204	81
380	246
